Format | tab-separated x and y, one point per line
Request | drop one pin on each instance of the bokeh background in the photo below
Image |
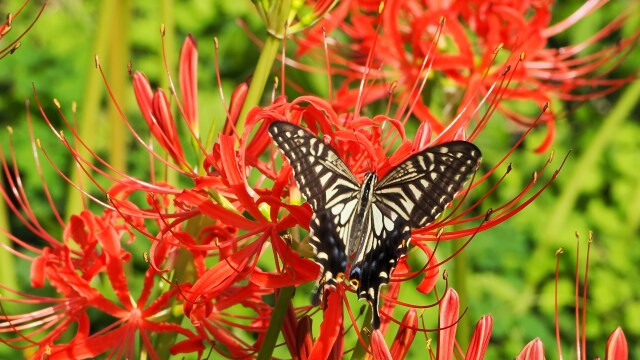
507	272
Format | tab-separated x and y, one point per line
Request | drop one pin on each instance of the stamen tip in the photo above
15	47
559	251
393	86
162	30
545	106
56	103
97	61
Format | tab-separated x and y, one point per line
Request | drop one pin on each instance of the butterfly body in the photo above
368	224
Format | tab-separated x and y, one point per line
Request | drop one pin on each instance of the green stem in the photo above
276	26
118	81
90	106
588	161
8	274
259	80
277	317
460	281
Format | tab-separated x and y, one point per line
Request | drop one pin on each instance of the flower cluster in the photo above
475	41
226	236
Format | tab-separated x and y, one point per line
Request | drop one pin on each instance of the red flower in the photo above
90	248
460	41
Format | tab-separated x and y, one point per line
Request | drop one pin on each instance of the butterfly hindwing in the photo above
329	187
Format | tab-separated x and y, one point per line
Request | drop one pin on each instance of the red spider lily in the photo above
215	201
90	247
7	26
405	43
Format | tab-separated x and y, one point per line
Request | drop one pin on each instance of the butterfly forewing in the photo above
420	188
329	187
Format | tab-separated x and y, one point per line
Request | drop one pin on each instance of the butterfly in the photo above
368	224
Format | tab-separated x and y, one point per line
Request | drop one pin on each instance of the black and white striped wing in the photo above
329	187
419	189
411	195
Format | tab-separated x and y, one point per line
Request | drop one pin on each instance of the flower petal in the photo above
617	346
534	350
449	309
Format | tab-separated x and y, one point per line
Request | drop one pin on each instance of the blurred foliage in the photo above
511	272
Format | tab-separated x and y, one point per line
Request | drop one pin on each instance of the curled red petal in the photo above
330	327
144	96
38	269
224	273
431	275
302	271
235	105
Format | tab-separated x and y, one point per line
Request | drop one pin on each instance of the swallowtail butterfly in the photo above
369	225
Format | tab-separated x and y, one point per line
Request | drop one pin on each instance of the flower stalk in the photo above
283	301
276	15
